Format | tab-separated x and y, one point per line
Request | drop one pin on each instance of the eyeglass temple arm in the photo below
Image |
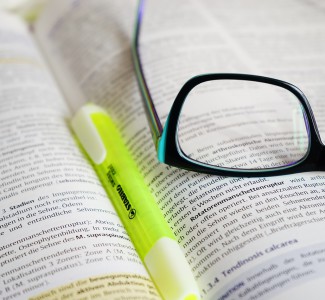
154	121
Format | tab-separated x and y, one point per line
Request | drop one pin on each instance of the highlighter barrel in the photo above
135	205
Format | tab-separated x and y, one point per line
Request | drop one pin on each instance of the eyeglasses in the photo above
234	124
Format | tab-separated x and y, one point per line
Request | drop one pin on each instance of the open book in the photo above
258	238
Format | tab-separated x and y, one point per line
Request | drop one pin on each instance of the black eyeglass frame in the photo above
165	139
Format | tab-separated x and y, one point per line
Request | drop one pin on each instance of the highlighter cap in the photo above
87	133
171	272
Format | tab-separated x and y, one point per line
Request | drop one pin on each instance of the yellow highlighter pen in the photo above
135	205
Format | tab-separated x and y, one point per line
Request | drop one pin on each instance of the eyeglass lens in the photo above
243	125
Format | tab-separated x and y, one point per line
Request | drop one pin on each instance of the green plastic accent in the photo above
161	150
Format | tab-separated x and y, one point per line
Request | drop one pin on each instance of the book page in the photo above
244	238
60	235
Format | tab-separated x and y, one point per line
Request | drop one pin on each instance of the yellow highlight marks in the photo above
191	297
20	60
118	286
